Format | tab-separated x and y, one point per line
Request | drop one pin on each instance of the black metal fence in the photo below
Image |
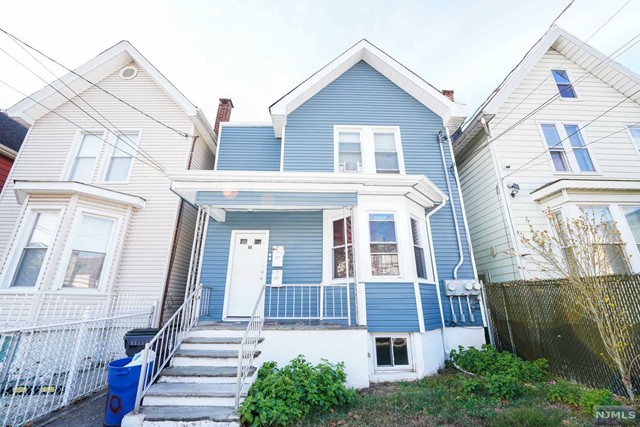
535	319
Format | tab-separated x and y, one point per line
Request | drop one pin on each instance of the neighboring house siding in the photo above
250	148
391	307
491	244
144	262
5	168
299	232
201	157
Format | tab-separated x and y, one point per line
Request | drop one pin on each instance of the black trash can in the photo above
135	339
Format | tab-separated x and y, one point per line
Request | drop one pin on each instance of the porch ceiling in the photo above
285	190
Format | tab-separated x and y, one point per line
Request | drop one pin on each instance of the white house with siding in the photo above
561	132
88	212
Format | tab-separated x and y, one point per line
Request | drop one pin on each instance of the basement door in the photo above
247	271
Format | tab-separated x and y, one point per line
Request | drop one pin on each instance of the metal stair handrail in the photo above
166	342
248	346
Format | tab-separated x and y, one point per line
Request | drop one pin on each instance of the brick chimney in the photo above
448	93
224	112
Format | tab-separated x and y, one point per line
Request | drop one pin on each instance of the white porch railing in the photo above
249	345
309	302
44	368
158	351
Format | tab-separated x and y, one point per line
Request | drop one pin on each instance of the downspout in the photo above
441	139
434	267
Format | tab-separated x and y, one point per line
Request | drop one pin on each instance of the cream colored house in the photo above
87	212
562	131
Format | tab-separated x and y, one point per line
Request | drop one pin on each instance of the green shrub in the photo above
530	417
280	397
488	361
583	398
503	386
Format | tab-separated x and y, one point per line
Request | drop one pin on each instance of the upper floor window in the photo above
567	148
89	250
121	159
86	158
340	243
565	87
35	248
634	131
383	245
368	150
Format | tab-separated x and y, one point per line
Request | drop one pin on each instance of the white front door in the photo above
247	271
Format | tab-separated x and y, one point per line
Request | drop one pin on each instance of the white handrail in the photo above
166	342
248	346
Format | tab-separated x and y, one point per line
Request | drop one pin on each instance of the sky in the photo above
256	51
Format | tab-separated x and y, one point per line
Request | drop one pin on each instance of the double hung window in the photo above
383	245
368	150
35	249
121	159
84	163
567	148
338	249
632	214
565	87
612	249
418	249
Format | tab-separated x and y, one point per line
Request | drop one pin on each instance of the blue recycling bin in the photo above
123	387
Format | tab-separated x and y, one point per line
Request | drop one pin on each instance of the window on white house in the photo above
383	244
350	152
567	148
88	252
392	352
84	163
368	149
567	249
121	159
339	242
561	77
632	213
613	251
386	153
35	249
418	249
634	131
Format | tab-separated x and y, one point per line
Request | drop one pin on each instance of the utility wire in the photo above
75	124
131	143
183	134
151	159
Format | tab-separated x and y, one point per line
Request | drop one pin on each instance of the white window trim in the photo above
628	129
572	162
328	217
405	368
75	148
108	260
424	241
113	139
367	146
571	79
20	239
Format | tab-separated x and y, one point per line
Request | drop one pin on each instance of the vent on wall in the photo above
129	72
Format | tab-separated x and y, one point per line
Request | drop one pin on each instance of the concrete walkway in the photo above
88	412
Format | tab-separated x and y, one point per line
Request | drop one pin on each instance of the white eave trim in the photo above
24	188
585	185
452	113
6	151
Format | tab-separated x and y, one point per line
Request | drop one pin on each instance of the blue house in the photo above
340	226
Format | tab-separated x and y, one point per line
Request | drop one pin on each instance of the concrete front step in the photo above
201	374
207	357
212	343
201	416
192	394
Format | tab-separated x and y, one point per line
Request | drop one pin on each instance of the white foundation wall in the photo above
341	345
470	336
432	352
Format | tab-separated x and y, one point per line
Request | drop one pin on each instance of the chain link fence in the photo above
43	368
534	319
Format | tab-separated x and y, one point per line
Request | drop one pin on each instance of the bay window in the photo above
613	249
35	249
418	249
632	214
383	245
340	241
89	249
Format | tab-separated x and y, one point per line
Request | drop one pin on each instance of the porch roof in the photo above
293	190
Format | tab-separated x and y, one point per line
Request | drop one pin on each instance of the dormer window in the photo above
565	87
368	149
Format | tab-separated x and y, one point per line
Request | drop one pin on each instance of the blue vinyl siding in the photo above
251	148
263	198
430	307
299	232
391	307
363	96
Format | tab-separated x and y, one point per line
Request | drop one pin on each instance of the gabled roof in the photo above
12	134
452	113
592	60
29	110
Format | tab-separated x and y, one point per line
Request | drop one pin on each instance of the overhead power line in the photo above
183	134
